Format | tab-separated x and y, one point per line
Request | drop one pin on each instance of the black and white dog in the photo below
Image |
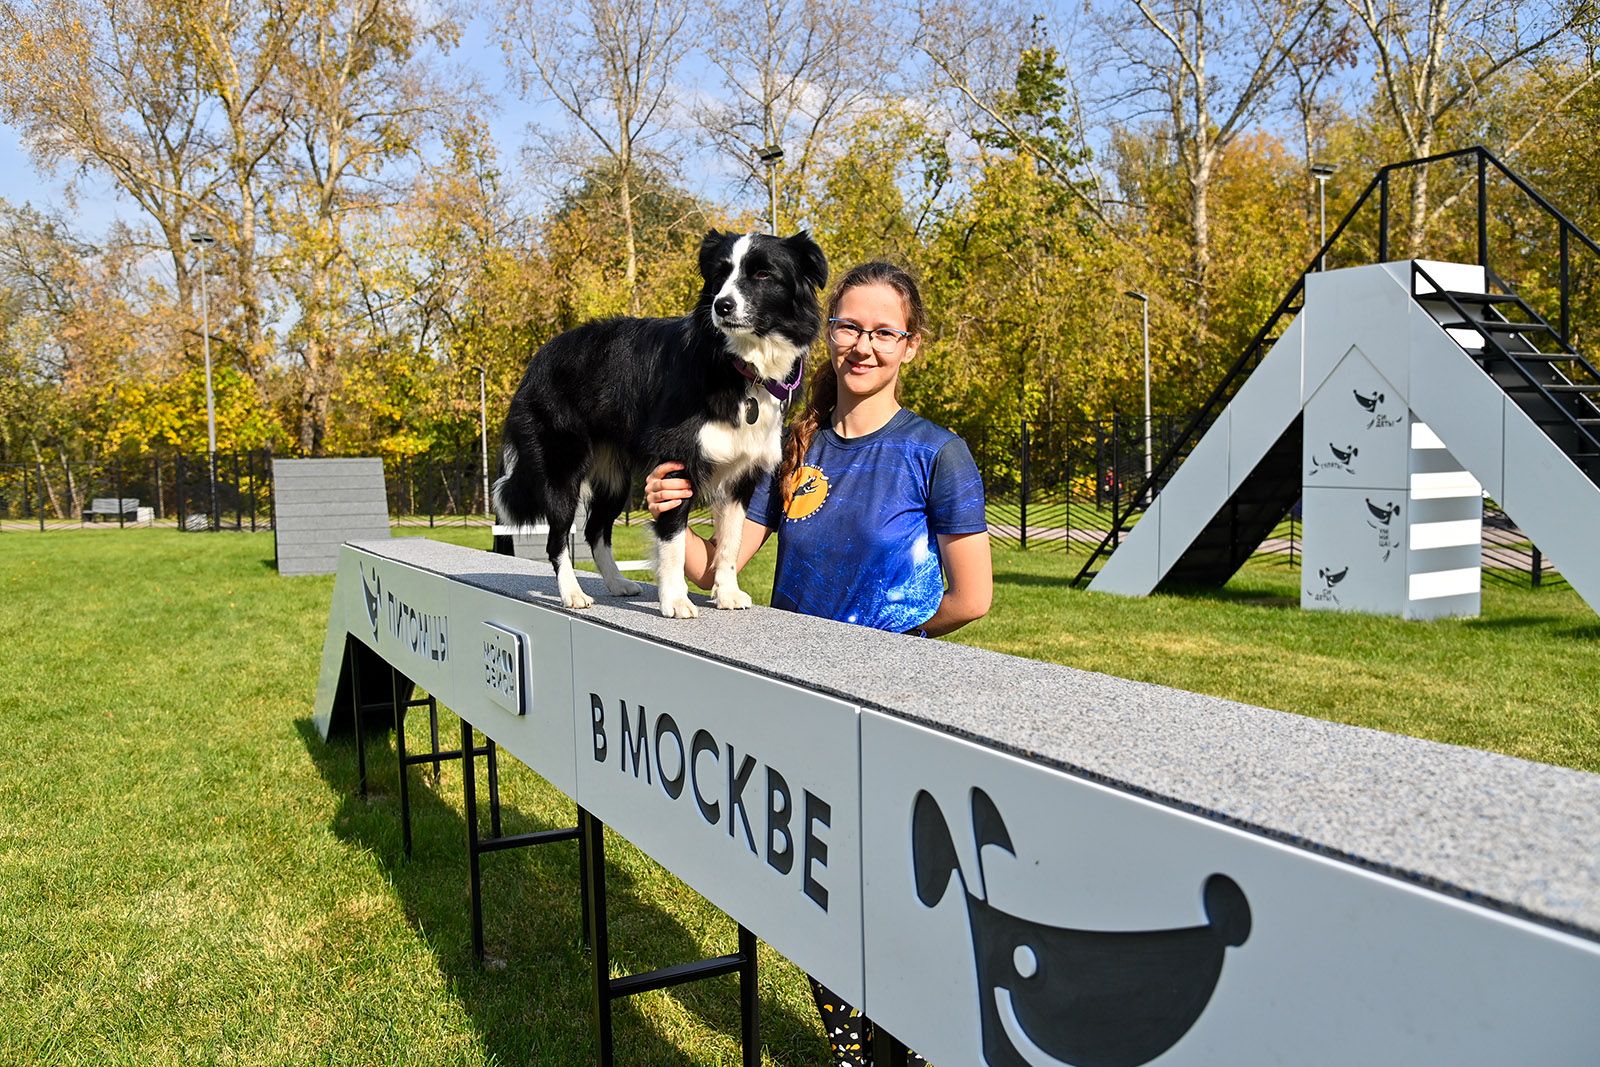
601	403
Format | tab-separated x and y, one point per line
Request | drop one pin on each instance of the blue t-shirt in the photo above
858	542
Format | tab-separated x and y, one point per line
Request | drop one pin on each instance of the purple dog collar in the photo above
782	390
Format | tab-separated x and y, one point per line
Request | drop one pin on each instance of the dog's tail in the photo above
519	491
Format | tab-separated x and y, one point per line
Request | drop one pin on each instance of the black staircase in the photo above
1529	358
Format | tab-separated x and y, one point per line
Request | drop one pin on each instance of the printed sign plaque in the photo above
502	668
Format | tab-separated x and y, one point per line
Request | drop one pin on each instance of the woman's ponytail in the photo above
820	396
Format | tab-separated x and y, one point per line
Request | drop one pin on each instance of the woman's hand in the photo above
663	492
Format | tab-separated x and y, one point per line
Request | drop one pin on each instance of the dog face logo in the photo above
810	493
1388	540
1053	995
1373	403
1341	459
372	595
1330	581
1385	514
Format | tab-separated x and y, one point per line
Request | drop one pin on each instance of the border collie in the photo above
603	402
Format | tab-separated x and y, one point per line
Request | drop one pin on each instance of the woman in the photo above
876	510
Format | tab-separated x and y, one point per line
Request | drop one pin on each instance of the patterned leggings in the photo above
850	1033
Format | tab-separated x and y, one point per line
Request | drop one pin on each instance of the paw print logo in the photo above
810	491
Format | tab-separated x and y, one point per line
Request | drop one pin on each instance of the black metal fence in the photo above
1049	489
231	491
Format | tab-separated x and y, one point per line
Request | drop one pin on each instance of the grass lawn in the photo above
186	875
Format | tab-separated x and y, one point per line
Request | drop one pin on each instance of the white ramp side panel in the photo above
1250	425
745	787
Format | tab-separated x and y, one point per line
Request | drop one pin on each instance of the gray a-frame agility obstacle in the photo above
1400	395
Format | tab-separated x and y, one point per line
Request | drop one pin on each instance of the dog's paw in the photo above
679	608
577	598
623	587
731	597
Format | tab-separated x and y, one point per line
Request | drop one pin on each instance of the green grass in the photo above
186	875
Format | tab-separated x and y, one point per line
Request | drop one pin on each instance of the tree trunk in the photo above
1200	220
314	399
1417	223
44	479
631	266
248	294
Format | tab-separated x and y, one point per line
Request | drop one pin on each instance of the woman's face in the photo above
862	368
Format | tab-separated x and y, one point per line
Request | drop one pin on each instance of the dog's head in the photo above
1057	995
761	292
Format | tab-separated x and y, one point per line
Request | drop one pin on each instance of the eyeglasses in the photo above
845	334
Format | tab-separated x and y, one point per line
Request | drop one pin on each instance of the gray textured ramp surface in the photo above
1520	836
319	504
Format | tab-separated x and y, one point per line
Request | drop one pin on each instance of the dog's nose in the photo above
723	306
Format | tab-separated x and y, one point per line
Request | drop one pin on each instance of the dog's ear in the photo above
988	828
813	264
709	248
933	852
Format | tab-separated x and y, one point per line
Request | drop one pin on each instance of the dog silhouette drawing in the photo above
1084	998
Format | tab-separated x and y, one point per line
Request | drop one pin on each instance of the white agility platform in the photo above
1007	862
1403	434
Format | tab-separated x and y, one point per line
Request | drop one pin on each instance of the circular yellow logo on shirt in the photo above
810	490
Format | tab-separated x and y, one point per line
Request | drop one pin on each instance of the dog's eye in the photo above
1026	963
763	275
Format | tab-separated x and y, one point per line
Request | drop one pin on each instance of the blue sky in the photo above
99	204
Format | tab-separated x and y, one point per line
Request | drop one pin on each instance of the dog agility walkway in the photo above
1009	862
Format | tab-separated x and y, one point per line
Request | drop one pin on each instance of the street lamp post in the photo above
201	239
1322	172
770	156
483	435
1144	302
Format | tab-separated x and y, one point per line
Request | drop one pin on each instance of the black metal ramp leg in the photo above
355	714
592	842
497	841
494	789
888	1052
583	882
607	989
400	705
749	1000
433	729
469	788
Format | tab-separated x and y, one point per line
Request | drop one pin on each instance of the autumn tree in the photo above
361	95
238	52
1435	60
113	89
609	65
791	73
1210	71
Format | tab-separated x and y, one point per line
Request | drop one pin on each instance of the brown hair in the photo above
823	388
